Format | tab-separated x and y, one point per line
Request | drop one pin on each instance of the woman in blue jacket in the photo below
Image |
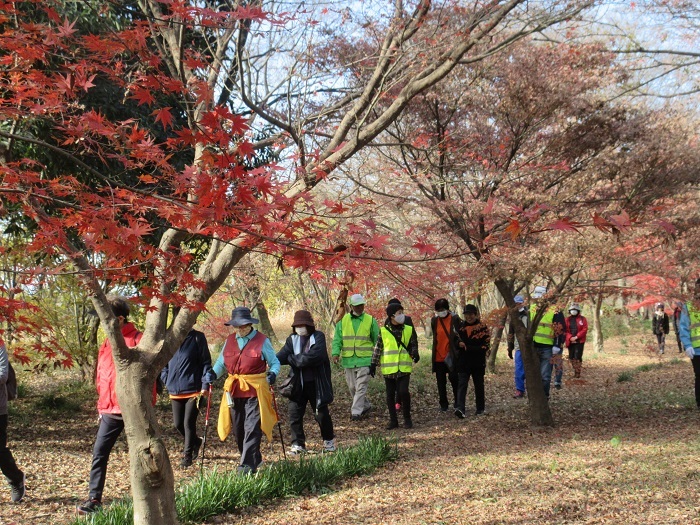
183	376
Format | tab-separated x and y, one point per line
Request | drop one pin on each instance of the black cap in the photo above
470	309
442	304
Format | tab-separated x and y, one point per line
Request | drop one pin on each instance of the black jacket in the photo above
659	325
476	338
185	372
315	360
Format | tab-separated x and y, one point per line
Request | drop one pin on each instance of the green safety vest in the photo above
359	344
395	359
545	330
694	325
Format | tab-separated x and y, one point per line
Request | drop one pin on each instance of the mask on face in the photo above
302	330
400	318
573	312
357	312
442	313
244	331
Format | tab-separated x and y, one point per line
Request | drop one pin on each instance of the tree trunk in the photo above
265	324
152	481
597	327
496	337
540	414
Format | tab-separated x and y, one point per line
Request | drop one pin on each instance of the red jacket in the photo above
106	379
581	329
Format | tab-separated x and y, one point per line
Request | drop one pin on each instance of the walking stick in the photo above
279	425
206	426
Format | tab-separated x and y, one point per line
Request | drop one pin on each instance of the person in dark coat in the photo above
444	350
474	346
306	353
183	376
660	326
13	475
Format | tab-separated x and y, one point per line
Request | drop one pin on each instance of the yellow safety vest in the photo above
395	359
358	344
545	330
694	325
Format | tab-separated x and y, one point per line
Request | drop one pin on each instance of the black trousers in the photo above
107	434
476	371
397	388
696	368
246	424
576	351
7	461
185	414
297	409
442	374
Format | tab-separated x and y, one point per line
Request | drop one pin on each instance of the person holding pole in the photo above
184	376
306	353
247	404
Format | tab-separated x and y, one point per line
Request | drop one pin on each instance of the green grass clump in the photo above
218	493
624	376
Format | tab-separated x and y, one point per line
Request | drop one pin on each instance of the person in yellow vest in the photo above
548	338
353	343
689	327
396	351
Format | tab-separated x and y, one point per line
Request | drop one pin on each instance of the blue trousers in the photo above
519	371
545	355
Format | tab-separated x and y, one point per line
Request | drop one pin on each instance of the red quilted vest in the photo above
244	362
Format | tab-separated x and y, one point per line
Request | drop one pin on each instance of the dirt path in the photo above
622	452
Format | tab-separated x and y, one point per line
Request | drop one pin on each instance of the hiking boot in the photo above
329	445
443	409
185	462
90	506
519	394
355	417
196	447
557	386
481	412
393	423
17	490
459	413
297	449
407	423
366	411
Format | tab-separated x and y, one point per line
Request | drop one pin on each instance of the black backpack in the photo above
11	382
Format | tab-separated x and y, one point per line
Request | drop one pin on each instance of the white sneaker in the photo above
329	446
297	449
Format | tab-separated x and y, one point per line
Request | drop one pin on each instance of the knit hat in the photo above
394	301
519	299
357	300
442	304
241	316
470	309
392	308
303	318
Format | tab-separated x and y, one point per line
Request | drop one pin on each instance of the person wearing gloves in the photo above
355	336
576	328
305	352
548	339
689	326
14	476
444	350
474	346
513	345
396	351
660	326
247	399
184	376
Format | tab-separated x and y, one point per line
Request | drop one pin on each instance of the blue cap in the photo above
519	299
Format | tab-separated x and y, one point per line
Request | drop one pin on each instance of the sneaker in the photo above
459	413
17	491
519	394
394	423
355	417
329	445
407	423
90	506
366	411
244	470
443	409
196	447
186	462
557	386
480	413
297	449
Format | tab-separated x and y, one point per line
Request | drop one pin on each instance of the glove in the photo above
372	369
556	350
416	359
690	351
210	377
510	353
271	377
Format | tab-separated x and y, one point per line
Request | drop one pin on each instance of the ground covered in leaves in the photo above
625	449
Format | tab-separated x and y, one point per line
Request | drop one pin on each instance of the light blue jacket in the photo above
684	330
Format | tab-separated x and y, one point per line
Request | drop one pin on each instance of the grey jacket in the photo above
4	372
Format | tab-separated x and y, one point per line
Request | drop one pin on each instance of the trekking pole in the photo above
279	425
206	426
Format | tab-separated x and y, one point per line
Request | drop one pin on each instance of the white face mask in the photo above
400	318
302	330
573	312
442	313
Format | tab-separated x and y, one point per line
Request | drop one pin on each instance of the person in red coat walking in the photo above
576	330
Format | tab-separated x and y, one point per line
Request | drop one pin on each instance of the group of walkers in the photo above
661	325
460	348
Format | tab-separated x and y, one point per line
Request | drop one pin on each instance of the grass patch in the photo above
219	493
625	376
